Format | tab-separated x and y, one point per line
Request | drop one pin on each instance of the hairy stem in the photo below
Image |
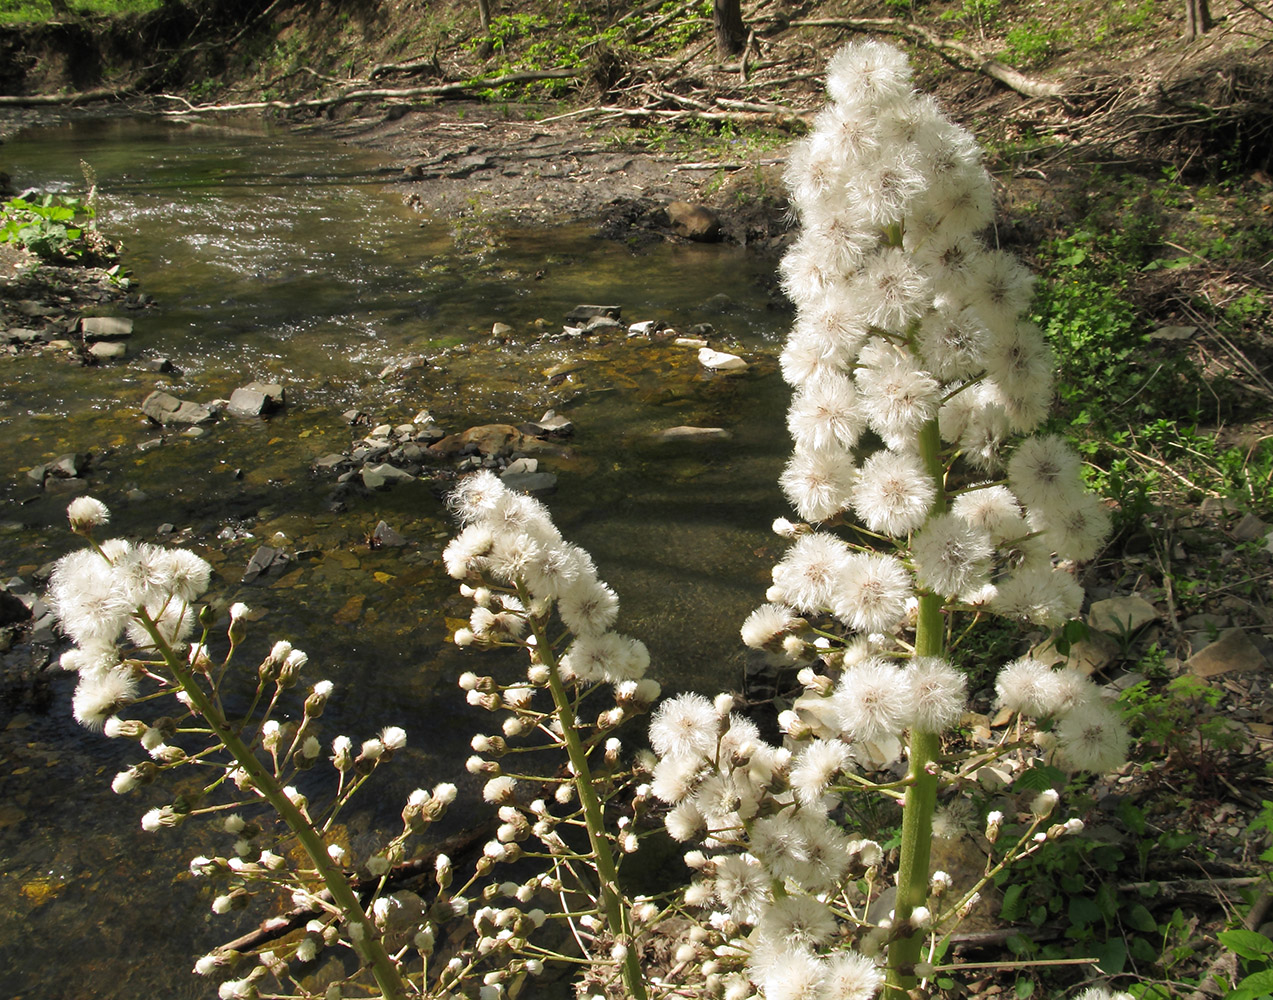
367	941
921	794
612	899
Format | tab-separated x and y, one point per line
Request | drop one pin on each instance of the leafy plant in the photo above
50	227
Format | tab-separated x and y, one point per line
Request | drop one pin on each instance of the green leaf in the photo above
1111	956
1083	911
1024	988
1141	919
1038	778
1246	944
1261	981
1019	944
1143	951
1011	908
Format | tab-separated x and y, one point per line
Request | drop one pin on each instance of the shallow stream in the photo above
280	257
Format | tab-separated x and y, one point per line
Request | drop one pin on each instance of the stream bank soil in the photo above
475	159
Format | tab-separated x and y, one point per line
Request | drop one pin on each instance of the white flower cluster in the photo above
99	595
516	566
775	855
907	322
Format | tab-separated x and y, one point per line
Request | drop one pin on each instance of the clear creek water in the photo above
281	257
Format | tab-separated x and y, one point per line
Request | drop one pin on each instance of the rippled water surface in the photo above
289	258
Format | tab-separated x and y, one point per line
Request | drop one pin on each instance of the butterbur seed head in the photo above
87	513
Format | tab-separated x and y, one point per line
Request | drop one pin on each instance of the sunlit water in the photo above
289	258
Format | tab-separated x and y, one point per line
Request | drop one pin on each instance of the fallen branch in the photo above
949	50
83	97
377	94
399	877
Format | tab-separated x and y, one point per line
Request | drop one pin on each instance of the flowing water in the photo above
279	257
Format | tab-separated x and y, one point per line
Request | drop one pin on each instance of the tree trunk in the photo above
730	32
1197	18
484	14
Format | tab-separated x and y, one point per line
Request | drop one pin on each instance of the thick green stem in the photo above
921	795
367	938
607	873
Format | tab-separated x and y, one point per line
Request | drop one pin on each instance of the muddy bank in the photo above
466	158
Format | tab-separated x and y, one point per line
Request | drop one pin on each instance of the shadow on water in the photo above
273	256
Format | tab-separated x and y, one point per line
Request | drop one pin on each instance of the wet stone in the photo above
692	435
385	535
263	560
165	409
376	477
531	482
257	399
720	361
583	313
329	461
106	327
68	466
552	424
107	350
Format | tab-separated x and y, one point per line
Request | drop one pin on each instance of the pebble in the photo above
720	361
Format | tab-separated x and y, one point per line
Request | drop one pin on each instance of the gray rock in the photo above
161	365
1121	615
194	432
21	335
376	477
602	324
531	482
150	445
37	474
385	535
1249	529
501	330
520	466
693	435
551	424
1233	652
257	399
398	368
694	222
263	560
720	361
165	410
68	466
106	327
329	461
642	329
12	609
718	303
581	314
107	350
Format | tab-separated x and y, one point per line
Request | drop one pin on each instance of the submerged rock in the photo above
257	399
693	435
583	313
720	361
694	222
166	409
105	327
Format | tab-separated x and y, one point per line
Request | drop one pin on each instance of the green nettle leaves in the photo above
47	227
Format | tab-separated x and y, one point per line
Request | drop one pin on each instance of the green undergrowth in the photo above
1160	341
41	11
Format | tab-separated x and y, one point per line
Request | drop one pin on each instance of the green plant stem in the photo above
370	946
607	873
921	794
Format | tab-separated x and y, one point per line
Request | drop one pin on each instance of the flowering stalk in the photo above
613	901
366	938
524	578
